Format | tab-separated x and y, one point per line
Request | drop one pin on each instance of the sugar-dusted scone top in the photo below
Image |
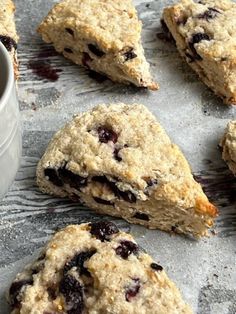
94	269
8	35
205	34
228	144
103	35
118	160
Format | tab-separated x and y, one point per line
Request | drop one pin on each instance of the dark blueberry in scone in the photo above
95	50
8	42
189	57
53	177
151	181
210	14
86	59
122	195
15	289
156	267
102	201
63	176
116	154
107	134
68	50
126	248
73	293
103	230
102	179
141	216
70	31
197	38
52	292
129	55
74	180
132	290
83	275
78	261
126	196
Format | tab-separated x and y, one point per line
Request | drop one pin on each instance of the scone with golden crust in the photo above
8	35
94	268
228	144
102	35
205	35
119	161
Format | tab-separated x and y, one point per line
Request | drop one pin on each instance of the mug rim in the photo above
5	58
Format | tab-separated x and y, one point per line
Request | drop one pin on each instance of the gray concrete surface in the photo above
204	270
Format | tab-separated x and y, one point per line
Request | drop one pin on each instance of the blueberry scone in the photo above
119	161
205	35
8	35
102	35
94	268
228	144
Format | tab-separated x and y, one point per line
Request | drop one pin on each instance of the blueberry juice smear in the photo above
44	70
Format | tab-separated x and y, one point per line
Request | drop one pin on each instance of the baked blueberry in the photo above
78	261
73	293
95	50
15	290
133	290
102	230
126	248
107	134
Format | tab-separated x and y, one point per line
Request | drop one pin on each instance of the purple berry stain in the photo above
41	65
44	70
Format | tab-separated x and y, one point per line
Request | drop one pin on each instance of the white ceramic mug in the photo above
10	133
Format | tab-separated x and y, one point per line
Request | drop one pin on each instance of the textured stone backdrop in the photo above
205	270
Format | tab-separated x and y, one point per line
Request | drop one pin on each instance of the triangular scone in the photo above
94	268
102	35
205	35
118	160
8	35
228	144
